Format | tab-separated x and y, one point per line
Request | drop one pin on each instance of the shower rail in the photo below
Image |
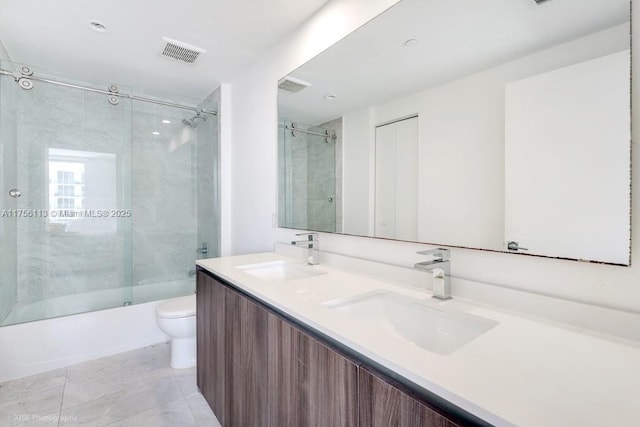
106	92
293	128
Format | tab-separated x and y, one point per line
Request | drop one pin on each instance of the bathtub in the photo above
43	345
97	300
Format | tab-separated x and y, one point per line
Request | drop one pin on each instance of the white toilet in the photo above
177	318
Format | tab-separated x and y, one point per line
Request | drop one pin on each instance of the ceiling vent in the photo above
181	51
292	84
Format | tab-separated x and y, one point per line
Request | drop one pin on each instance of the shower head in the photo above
192	121
189	122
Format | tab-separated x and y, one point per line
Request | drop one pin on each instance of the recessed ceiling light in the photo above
155	132
165	121
410	42
330	97
98	26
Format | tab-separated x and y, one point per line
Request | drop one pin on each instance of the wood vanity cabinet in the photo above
231	354
210	337
382	404
310	384
256	368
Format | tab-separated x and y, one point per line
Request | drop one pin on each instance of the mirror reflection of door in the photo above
567	138
396	180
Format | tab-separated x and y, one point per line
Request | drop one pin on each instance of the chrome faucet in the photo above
312	244
440	267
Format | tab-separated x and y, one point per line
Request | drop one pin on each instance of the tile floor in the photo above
137	388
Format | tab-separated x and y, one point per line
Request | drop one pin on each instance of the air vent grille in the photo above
291	84
181	51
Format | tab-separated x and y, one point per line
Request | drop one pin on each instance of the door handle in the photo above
514	246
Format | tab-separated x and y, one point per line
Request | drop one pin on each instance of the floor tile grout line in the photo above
191	411
184	396
64	387
186	401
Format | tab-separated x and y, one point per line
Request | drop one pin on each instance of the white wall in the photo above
254	187
224	153
4	55
357	203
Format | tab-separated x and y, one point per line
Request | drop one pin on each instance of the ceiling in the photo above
453	38
56	35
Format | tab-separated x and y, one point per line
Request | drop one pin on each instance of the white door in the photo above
567	179
396	180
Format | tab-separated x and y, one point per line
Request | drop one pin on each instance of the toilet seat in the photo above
177	307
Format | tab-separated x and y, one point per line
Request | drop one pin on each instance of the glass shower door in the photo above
321	178
307	183
73	214
174	195
8	176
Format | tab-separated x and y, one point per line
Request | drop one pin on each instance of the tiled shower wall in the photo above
325	178
299	180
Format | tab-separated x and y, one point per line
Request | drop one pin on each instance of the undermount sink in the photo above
278	271
428	327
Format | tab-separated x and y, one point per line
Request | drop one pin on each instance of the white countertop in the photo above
523	372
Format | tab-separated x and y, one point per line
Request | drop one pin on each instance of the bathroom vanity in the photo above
284	343
258	367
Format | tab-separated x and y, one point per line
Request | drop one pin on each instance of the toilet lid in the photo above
177	307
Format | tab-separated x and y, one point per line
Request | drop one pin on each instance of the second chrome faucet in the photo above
312	244
440	267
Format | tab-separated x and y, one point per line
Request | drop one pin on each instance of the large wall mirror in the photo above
496	124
